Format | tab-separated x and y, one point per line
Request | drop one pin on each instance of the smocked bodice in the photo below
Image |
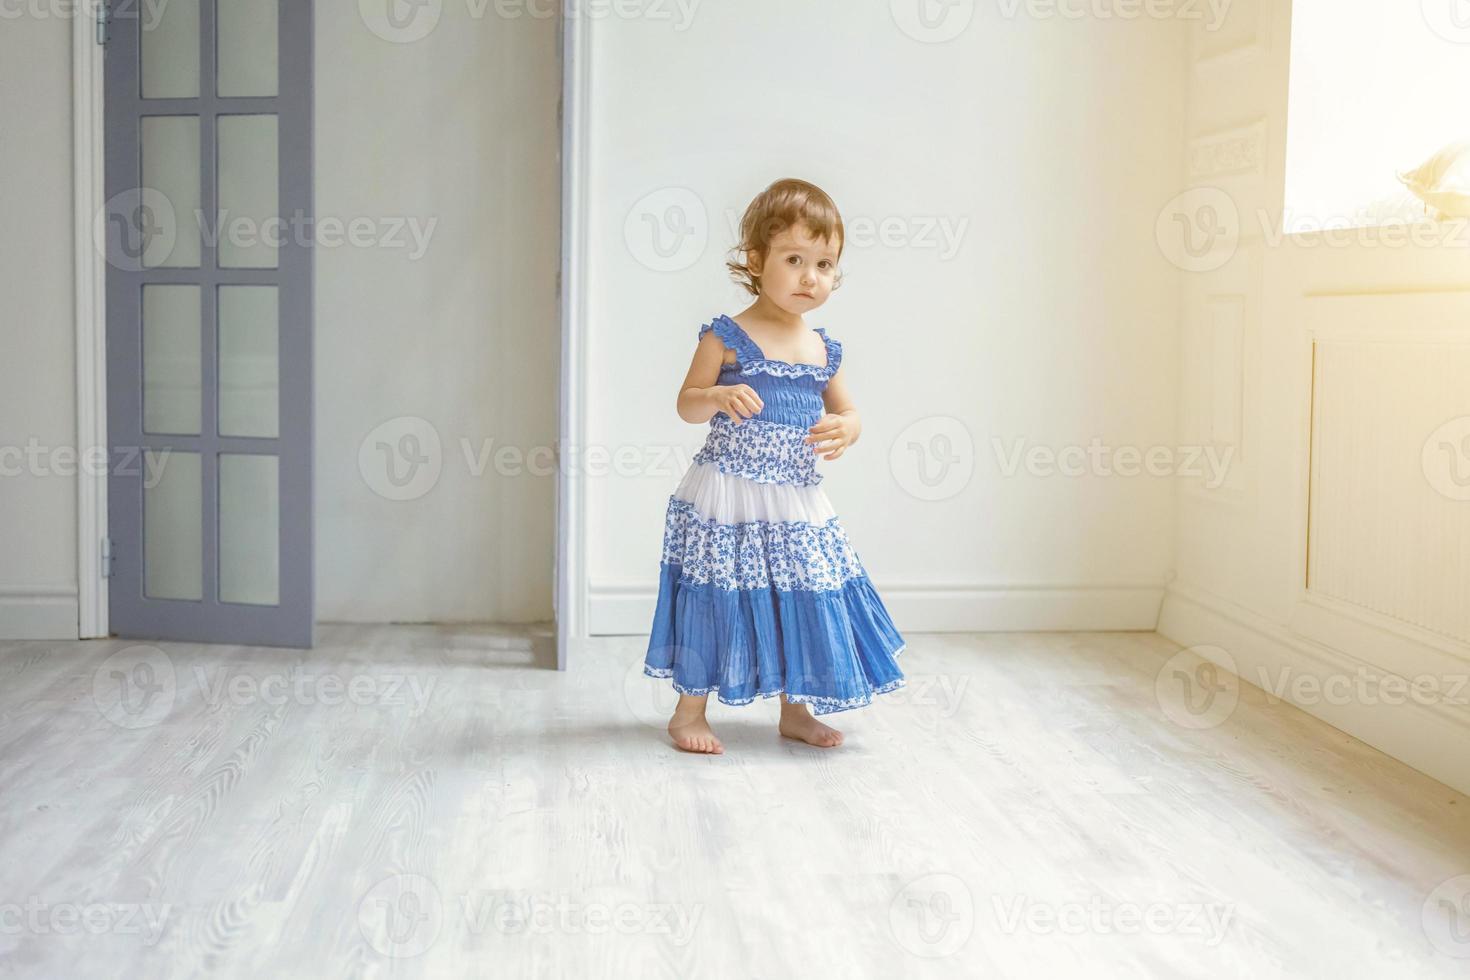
791	394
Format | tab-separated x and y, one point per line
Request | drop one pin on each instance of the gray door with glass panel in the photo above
209	276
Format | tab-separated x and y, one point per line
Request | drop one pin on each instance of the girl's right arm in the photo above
700	397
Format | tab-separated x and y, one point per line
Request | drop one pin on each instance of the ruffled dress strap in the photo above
735	338
834	354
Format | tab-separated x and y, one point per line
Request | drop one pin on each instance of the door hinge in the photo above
101	16
107	558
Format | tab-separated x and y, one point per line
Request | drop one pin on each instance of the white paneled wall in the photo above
1390	502
1333	479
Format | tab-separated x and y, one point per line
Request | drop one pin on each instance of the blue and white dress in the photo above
760	591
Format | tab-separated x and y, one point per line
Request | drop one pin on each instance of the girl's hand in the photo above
736	400
834	432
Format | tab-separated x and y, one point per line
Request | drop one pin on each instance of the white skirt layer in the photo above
730	499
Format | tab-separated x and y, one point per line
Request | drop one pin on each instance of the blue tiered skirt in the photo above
760	591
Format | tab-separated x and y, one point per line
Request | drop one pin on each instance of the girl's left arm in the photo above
841	426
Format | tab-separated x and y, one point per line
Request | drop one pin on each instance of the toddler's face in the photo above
799	270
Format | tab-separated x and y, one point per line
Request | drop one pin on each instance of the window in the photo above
1377	87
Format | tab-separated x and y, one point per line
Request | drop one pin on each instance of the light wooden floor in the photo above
1024	808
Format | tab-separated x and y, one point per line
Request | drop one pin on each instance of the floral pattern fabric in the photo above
782	555
766	452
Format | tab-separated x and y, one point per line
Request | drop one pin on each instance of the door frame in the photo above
569	594
90	306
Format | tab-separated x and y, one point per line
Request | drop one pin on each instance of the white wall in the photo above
38	519
1053	142
457	128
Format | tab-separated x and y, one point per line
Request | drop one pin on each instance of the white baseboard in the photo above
38	613
1434	739
945	608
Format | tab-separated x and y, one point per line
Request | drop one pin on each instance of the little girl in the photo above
760	591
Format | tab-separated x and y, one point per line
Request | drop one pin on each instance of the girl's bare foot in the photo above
797	722
690	730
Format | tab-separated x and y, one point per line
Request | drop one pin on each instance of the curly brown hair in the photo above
784	204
